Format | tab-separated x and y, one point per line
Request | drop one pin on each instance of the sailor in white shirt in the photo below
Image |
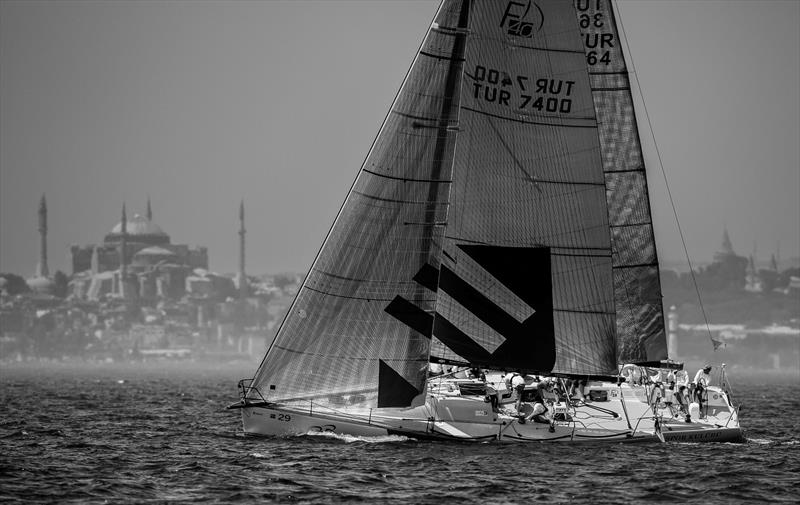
701	381
518	385
703	376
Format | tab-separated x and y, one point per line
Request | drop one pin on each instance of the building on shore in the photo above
136	259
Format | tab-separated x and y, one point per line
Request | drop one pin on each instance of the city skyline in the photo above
202	105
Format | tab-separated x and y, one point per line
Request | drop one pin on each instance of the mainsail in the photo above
360	320
640	316
477	230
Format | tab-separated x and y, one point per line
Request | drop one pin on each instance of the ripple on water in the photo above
84	436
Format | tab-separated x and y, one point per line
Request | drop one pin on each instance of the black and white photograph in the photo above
400	251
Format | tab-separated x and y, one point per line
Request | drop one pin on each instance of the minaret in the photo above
149	210
726	250
727	246
672	332
242	275
123	263
42	270
95	264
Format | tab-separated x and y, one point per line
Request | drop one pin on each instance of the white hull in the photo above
265	421
624	417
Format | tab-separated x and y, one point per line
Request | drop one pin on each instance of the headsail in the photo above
359	330
640	316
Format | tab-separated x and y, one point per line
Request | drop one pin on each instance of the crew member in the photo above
518	384
491	394
701	381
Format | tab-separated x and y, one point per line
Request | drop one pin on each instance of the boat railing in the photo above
250	394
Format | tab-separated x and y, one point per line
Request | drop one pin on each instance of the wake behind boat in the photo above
500	222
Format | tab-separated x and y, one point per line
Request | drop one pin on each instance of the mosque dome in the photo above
139	225
139	229
153	255
42	285
155	251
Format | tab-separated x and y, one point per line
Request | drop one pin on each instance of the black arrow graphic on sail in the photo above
525	271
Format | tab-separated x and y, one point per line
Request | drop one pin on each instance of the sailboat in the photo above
500	222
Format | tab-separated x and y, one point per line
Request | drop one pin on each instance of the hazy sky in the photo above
201	104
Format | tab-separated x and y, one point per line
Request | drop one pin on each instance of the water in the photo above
116	433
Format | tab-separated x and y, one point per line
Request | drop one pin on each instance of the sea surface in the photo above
89	433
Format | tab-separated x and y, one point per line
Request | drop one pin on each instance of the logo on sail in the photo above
520	19
528	341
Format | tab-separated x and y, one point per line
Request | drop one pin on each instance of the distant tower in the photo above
149	210
42	270
242	275
95	264
123	262
727	246
672	335
726	249
752	280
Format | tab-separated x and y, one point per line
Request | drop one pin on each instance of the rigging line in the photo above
258	371
666	181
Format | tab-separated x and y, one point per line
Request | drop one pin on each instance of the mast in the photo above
447	127
242	275
42	268
123	260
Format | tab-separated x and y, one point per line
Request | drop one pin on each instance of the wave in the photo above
378	439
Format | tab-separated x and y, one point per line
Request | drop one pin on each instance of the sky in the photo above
199	105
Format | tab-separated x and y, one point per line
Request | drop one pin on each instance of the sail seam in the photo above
628	225
620	267
394	200
412	116
407	179
622	72
566	255
336	356
328	293
546	49
638	169
602	312
615	88
436	56
539	123
568	183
